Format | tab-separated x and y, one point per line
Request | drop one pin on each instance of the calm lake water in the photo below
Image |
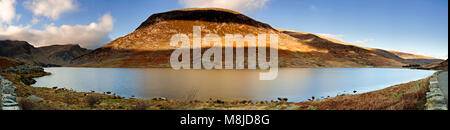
295	84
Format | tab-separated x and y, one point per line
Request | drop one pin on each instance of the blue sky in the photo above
417	26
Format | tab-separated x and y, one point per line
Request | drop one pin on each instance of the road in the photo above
443	83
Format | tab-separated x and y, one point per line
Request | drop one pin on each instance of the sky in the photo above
414	26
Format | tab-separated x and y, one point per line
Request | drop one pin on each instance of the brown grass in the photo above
27	104
408	96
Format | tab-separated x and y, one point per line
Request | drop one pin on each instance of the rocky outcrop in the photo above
8	97
27	70
435	98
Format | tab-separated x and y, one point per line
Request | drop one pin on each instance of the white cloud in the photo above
7	11
364	41
50	8
88	36
237	5
334	36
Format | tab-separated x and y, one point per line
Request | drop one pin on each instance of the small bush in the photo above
140	106
69	99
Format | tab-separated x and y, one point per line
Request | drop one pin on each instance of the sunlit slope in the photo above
149	44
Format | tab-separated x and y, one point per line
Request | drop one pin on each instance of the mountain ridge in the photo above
54	55
148	45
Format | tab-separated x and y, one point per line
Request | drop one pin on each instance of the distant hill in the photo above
406	58
443	65
58	55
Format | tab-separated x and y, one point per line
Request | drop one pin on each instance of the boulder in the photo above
35	98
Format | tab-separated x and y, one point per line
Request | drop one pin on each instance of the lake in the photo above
297	84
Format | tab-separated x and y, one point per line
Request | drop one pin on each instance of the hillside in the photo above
442	65
49	55
148	45
419	59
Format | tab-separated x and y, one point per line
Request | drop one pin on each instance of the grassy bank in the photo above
408	96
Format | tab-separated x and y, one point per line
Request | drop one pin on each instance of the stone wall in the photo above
435	98
8	99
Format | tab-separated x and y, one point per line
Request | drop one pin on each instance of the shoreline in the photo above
293	97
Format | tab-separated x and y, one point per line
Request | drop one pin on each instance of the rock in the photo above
10	104
62	89
261	102
24	69
8	90
35	98
13	108
160	99
9	96
28	80
436	107
283	99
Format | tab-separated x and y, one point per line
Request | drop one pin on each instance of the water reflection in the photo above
295	84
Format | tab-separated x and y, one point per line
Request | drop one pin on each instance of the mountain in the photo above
148	45
56	55
418	59
442	65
